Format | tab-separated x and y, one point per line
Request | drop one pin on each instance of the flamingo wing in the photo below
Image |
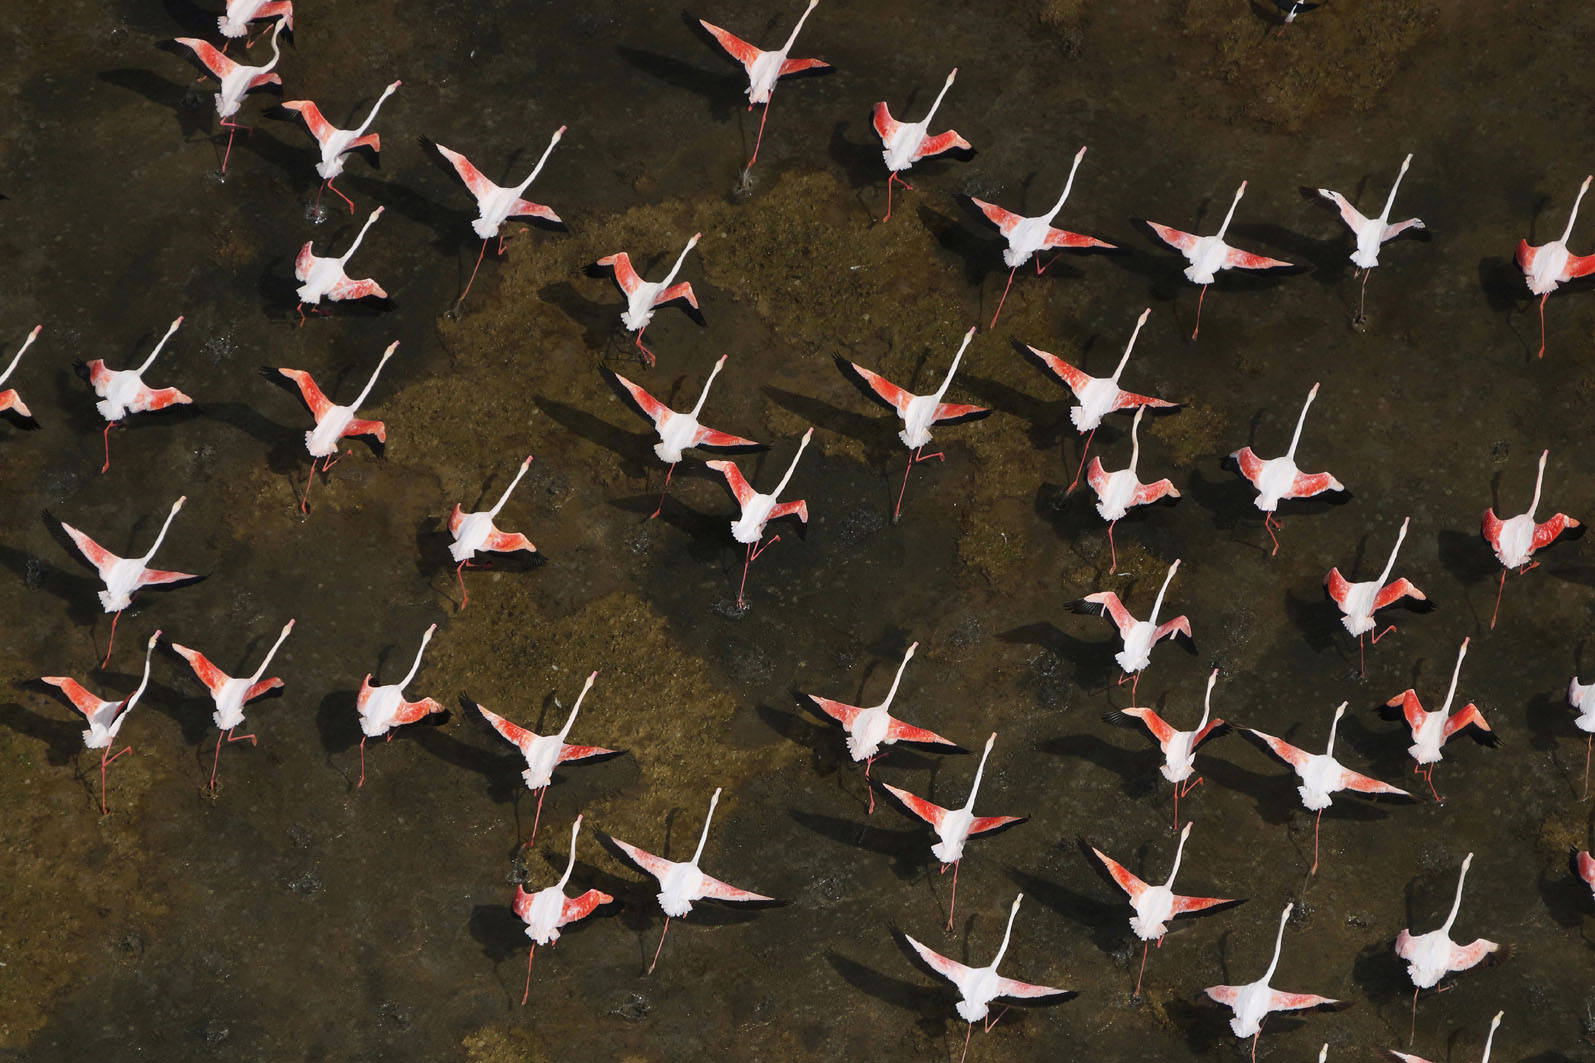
1348	213
213	678
304	262
1338	587
677	291
1215	727
949	969
1305	485
149	399
1148	493
1013	988
357	427
154	576
1278	1001
932	814
1006	220
1546	532
1097	476
957	412
941	142
800	509
500	542
1584	867
1411	709
1468	714
319	127
898	731
411	711
319	404
81	699
739	49
1492	528
348	289
886	126
1187	905
217	63
569	753
986	824
1235	258
842	714
525	208
514	733
1129	400
1131	885
1065	238
1227	995
1364	784
1176	238
1394	592
1180	625
1073	378
1250	464
1106	602
1150	720
649	406
797	66
1466	956
889	393
740	488
723	891
708	437
97	555
1579	266
1296	758
581	907
479	185
262	687
657	866
1395	229
625	275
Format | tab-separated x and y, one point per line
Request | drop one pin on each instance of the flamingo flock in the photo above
380	709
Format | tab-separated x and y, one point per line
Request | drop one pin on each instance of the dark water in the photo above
292	916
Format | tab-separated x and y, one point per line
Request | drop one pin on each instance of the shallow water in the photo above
292	915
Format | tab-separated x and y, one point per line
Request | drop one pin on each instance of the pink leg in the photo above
1362	659
1145	947
528	992
1112	550
1498	591
1004	298
647	355
893	177
304	502
538	818
992	1025
1198	327
760	139
952	905
1316	824
1255	1036
662	494
229	152
459	574
117	616
1587	742
467	291
107	466
1412	1031
1040	269
904	489
661	947
105	763
1083	452
301	308
362	781
215	761
319	191
967	1032
741	587
341	196
871	789
1363	299
1135	681
1544	297
1270	523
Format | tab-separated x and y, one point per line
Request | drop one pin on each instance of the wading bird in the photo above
105	718
1279	478
476	531
759	509
1120	491
9	399
125	576
1515	539
1138	636
1371	233
324	277
644	297
1430	730
1405	1058
1582	697
240	13
230	694
548	910
334	422
335	143
1432	956
123	391
1359	601
1547	266
764	69
1179	747
384	708
905	143
1252	1003
235	80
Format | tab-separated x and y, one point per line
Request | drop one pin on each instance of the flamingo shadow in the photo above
500	772
1106	924
861	163
907	848
498	930
189	103
1090	662
628	446
76	592
61	738
1048	421
1136	769
715	87
894	992
855	426
975	249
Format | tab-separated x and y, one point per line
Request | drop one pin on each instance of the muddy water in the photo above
292	915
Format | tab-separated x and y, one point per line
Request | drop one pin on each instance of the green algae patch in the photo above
1194	434
504	1044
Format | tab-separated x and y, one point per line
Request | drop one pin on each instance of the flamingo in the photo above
1208	255
1430	730
1432	956
1359	601
979	986
476	531
334	422
1279	478
905	143
679	431
9	399
236	79
548	910
384	708
324	276
764	69
1515	539
335	143
1253	1002
1156	906
105	718
230	694
240	13
1098	396
1371	233
497	203
759	509
644	297
1405	1058
1322	776
543	753
1547	266
123	391
955	826
125	576
870	728
919	413
1584	868
1138	636
681	883
1121	490
1026	236
1179	747
1579	696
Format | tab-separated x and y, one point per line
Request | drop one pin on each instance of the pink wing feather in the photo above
1251	465
1394	592
953	411
500	542
1305	485
97	555
625	275
153	576
1467	714
1179	625
516	734
651	407
262	687
1296	758
319	127
217	63
1235	258
1187	905
842	714
1065	238
319	404
1148	493
1411	709
724	891
1153	722
213	678
581	907
734	480
479	185
1131	885
1338	587
932	814
1115	609
1546	532
893	395
1006	220
886	126
358	427
657	866
677	291
81	699
1175	238
797	66
799	508
1011	987
949	969
1073	378
708	437
1363	784
569	753
986	824
898	731
525	208
1278	1001
739	49
348	289
941	142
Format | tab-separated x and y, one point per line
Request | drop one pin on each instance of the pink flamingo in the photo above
1547	266
497	203
1322	776
548	910
123	391
955	826
125	576
870	728
9	399
1279	478
920	413
1579	695
1138	636
335	143
1432	956
334	422
1359	601
544	753
1027	236
1515	539
679	431
644	297
324	276
1122	490
1208	255
1179	747
681	883
1405	1058
1156	906
240	13
905	143
1431	730
1098	396
476	531
105	718
1253	1002
764	69
979	986
759	509
384	708
1371	233
236	79
231	695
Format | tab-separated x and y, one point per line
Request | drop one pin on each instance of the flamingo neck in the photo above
1391	564
153	354
169	518
975	789
1207	701
375	107
1239	192
1300	422
1488	1040
679	260
505	497
370	221
25	345
1007	934
355	405
142	683
1456	903
892	693
1455	674
1279	942
707	384
945	86
271	653
416	667
1158	604
571	864
276	52
704	837
1390	201
1135	439
948	382
1067	186
574	709
790	41
1574	215
1128	347
1179	854
790	469
539	167
1329	750
1539	482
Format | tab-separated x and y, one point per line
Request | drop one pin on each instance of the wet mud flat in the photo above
294	915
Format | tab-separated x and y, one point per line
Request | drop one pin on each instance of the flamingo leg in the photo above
1113	551
1040	269
904	489
1145	947
1083	452
743	586
1362	659
1004	298
304	501
340	195
662	494
108	645
648	356
992	1025
528	991
968	1030
1318	822
479	256
1543	297
317	209
760	139
660	949
1271	523
952	905
871	789
459	574
1587	743
536	818
1498	591
1194	331
362	781
889	179
1255	1036
1363	298
1412	1031
215	761
107	466
106	762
